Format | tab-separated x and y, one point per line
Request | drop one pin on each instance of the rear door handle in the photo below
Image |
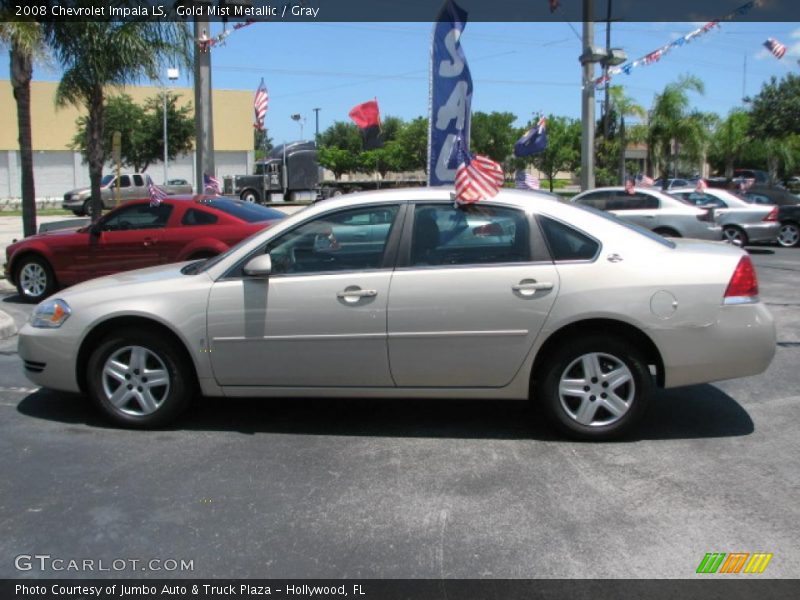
148	241
353	294
528	287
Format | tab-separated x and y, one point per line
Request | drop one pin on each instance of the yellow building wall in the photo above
53	128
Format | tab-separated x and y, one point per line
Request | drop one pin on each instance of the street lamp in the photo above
301	121
172	75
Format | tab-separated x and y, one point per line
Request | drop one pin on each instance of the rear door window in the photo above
567	243
637	201
598	200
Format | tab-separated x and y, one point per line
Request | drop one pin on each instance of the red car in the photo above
133	236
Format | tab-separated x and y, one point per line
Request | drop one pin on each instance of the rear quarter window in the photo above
566	243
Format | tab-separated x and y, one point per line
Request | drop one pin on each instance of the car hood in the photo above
83	190
152	277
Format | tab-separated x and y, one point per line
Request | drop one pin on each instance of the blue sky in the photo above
517	67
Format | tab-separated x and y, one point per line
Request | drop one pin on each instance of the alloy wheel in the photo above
33	279
135	380
596	389
789	235
734	236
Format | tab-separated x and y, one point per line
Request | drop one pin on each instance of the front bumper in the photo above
49	357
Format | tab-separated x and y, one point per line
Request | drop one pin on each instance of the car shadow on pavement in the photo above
751	250
701	411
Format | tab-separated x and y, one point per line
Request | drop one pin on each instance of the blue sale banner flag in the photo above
450	95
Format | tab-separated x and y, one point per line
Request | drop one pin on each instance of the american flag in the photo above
630	186
156	193
775	47
211	184
477	177
701	186
526	181
646	181
260	105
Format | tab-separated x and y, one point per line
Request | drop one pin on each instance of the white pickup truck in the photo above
132	186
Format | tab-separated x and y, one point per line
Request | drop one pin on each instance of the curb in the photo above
7	326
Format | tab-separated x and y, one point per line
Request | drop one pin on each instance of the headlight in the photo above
51	314
74	197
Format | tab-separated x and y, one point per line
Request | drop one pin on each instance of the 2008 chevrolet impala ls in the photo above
403	294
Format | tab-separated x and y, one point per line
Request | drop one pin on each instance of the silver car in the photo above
742	222
402	294
655	210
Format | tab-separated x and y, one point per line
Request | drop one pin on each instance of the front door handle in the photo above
148	241
528	287
354	293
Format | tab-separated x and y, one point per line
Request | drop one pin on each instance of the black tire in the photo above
170	401
735	235
667	232
86	211
789	235
250	196
35	278
563	409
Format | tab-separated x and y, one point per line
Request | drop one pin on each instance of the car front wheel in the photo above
140	379
35	279
595	388
789	234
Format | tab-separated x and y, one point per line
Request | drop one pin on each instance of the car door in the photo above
319	319
127	239
471	292
639	208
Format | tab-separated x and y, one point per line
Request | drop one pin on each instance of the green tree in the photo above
142	130
342	135
563	151
413	145
96	54
25	41
775	111
338	160
672	127
493	134
262	143
729	142
388	158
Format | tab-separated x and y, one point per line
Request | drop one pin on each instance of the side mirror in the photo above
259	266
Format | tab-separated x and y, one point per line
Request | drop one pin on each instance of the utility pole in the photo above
316	117
587	107
203	122
606	65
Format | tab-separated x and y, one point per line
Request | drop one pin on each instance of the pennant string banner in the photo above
658	54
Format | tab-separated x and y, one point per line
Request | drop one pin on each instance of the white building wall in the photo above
56	172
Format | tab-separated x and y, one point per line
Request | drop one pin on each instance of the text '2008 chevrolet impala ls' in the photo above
403	294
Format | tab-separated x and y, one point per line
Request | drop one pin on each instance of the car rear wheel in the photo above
594	388
140	379
789	234
35	279
735	236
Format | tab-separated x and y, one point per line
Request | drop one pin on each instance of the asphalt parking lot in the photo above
409	488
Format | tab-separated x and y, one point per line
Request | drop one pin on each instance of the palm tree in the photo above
624	106
671	125
97	54
25	42
730	139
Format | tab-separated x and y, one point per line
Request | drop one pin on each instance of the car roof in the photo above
727	195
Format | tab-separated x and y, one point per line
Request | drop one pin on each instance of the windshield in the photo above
106	180
246	211
629	226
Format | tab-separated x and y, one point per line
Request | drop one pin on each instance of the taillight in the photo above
743	286
707	216
773	215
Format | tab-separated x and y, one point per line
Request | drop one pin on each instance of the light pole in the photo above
172	75
300	121
316	118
